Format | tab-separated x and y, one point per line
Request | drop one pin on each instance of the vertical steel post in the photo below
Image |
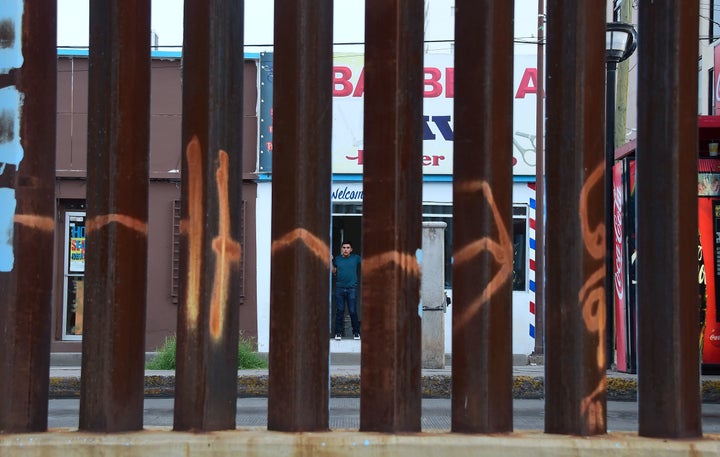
540	187
390	374
668	352
482	213
28	72
207	347
300	272
117	215
575	352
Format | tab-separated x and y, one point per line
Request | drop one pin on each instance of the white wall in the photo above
706	63
263	238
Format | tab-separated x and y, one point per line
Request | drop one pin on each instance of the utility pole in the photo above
623	71
540	188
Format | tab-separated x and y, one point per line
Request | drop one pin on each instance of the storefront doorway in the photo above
346	226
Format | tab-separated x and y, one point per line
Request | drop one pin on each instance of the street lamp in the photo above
620	43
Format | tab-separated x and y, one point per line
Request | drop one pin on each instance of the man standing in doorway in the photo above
346	268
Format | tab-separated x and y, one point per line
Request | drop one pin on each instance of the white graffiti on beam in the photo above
11	102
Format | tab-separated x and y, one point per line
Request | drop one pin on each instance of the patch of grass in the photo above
165	356
248	358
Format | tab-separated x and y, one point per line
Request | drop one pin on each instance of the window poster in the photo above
709	178
76	248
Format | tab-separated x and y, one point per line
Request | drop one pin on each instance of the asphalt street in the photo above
345	414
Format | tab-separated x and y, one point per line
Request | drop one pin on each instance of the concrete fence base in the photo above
260	443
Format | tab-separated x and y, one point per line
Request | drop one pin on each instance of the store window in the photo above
520	248
519	239
73	275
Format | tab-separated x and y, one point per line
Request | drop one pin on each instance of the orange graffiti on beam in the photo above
501	250
101	221
44	224
406	262
593	407
593	292
315	244
594	314
592	300
594	240
193	227
227	251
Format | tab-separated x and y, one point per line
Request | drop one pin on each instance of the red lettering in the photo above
449	83
528	83
617	223
432	80
432	161
360	88
341	77
358	157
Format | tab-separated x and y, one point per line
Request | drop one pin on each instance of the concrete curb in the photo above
255	384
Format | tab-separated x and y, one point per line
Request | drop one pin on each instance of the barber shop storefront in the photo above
346	195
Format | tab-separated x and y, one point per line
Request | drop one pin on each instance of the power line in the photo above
521	40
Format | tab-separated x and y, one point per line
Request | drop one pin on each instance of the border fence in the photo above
111	402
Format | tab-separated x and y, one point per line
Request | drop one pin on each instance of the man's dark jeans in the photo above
343	294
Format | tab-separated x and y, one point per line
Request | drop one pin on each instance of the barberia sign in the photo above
438	82
348	154
439	92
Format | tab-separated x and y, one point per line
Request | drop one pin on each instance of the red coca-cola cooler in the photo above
624	265
708	256
709	241
708	252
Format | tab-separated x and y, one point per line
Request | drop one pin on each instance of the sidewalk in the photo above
528	383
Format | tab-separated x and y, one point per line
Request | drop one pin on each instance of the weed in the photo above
248	358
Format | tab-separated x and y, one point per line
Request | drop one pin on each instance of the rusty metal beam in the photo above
482	214
300	273
207	347
117	214
668	351
392	206
27	205
575	352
